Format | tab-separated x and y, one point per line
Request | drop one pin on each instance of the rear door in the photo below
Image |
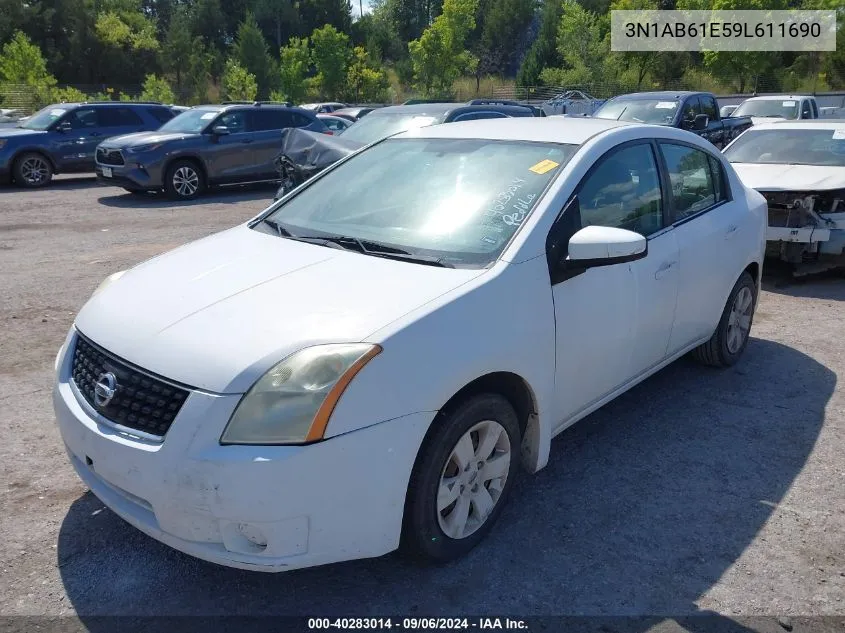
267	125
117	120
710	228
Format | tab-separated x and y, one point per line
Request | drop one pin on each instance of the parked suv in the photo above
206	145
61	138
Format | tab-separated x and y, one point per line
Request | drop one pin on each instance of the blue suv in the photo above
62	138
204	146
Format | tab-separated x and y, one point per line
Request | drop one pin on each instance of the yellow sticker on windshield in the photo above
543	166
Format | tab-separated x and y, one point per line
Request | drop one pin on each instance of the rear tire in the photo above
184	180
33	170
461	479
731	336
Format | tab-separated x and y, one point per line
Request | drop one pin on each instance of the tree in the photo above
439	55
330	54
279	19
177	47
365	83
200	64
157	89
126	40
252	53
21	64
293	68
504	26
238	83
543	52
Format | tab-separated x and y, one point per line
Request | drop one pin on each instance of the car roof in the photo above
444	108
660	94
106	104
814	124
777	97
539	129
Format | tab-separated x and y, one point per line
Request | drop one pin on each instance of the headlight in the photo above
292	403
142	148
109	281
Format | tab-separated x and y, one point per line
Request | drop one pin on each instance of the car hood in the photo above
760	120
12	131
218	313
144	138
764	177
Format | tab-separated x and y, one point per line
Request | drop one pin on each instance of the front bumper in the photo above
134	174
263	508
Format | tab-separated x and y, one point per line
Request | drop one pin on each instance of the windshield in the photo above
790	147
456	199
787	108
43	119
639	110
193	120
378	126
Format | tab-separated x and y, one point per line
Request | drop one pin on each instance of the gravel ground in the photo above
698	491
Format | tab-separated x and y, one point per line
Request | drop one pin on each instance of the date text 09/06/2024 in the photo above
418	624
723	29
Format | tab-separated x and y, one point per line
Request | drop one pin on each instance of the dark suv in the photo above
62	137
206	145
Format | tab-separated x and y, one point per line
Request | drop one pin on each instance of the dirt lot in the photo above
700	490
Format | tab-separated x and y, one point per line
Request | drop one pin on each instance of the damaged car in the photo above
304	154
799	167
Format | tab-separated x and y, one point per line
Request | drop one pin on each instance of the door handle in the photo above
665	267
731	231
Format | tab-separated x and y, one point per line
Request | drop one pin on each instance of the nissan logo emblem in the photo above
105	389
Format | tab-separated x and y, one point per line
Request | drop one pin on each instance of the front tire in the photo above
462	478
731	336
184	180
33	170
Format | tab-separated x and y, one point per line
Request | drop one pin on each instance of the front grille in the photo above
141	401
107	156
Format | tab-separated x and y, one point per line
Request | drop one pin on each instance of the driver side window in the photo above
623	191
235	121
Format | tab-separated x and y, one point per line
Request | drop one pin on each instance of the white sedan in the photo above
371	359
799	167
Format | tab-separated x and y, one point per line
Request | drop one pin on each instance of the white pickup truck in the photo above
765	109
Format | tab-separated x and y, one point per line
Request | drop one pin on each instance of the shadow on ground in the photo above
828	285
219	195
642	508
71	182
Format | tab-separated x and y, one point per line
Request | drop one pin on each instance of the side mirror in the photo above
64	126
605	246
700	122
220	130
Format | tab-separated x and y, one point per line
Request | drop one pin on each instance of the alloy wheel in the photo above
739	321
35	170
473	479
186	181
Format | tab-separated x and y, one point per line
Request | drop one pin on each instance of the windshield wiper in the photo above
367	247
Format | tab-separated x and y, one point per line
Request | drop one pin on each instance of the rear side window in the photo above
162	115
299	120
693	187
116	117
805	110
815	107
623	191
263	120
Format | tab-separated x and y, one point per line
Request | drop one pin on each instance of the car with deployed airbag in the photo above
373	359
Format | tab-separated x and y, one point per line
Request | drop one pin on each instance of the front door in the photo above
76	146
613	323
230	155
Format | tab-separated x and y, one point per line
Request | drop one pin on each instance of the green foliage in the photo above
504	24
200	64
364	82
439	55
127	28
157	89
68	94
331	55
293	69
177	48
252	53
238	83
22	63
543	52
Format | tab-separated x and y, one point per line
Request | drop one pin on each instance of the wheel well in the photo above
43	155
191	159
506	384
753	269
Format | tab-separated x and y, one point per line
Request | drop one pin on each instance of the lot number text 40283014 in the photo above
418	624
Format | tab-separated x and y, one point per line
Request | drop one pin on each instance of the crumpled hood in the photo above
790	177
143	138
11	132
217	313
